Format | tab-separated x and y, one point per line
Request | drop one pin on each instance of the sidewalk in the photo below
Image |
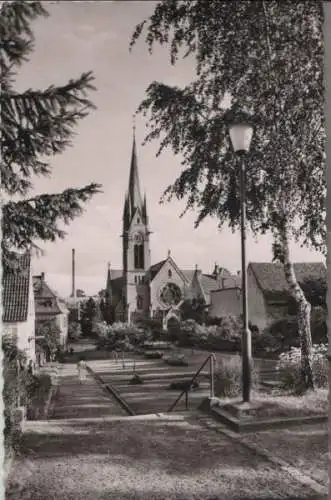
86	399
89	451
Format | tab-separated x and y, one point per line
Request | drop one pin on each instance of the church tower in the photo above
136	246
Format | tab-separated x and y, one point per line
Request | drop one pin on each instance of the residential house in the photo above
50	307
18	313
268	294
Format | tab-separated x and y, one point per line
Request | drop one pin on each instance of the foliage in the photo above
244	54
194	309
228	377
74	330
118	336
289	368
51	333
226	335
18	384
315	291
282	334
88	317
152	327
36	125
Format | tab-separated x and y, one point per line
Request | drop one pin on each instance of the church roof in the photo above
155	268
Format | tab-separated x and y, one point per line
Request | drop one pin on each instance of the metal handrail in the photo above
212	359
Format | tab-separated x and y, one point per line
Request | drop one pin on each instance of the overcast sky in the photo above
83	36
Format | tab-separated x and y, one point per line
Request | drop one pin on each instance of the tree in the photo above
194	309
88	314
74	330
35	126
51	337
264	58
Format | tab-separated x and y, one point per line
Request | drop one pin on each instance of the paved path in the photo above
89	451
86	399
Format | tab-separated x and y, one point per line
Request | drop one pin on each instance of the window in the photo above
169	273
139	258
138	221
135	279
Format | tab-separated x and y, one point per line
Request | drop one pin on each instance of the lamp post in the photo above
241	132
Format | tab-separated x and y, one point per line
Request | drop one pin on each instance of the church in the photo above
143	289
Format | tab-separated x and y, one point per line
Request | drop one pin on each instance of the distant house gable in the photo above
15	291
46	301
271	280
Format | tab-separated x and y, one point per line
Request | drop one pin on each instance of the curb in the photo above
292	471
109	388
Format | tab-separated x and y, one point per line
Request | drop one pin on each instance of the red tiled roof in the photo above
15	291
271	277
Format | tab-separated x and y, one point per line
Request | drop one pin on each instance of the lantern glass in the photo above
241	137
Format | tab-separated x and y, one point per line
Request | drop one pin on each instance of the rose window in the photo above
170	294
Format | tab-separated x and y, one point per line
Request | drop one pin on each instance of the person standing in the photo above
81	368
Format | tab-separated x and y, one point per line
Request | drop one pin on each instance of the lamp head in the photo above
241	129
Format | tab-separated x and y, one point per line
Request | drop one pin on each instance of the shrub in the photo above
74	331
153	354
51	334
176	360
228	377
289	368
18	387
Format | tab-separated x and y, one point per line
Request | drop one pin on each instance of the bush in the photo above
289	368
228	377
18	387
153	354
74	331
176	360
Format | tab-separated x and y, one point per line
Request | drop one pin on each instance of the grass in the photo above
173	458
279	405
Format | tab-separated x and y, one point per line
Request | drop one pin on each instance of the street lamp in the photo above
241	132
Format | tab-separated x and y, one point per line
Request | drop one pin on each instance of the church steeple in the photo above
133	198
136	245
134	193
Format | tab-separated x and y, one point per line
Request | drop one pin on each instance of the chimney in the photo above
42	276
73	291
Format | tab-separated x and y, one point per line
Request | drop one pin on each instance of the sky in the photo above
83	36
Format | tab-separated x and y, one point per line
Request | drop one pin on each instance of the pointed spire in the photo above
169	253
134	192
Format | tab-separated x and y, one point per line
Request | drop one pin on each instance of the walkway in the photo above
87	399
89	451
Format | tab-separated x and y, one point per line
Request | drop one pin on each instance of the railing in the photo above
211	358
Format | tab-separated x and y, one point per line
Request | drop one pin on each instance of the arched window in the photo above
169	273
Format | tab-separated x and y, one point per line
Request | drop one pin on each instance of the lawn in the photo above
276	404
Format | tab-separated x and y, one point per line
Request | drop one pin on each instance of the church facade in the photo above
143	289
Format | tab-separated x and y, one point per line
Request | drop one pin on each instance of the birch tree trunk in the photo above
303	313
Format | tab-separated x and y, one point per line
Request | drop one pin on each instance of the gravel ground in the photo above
305	448
138	459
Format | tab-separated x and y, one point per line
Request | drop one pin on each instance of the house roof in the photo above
271	277
46	301
15	291
208	283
